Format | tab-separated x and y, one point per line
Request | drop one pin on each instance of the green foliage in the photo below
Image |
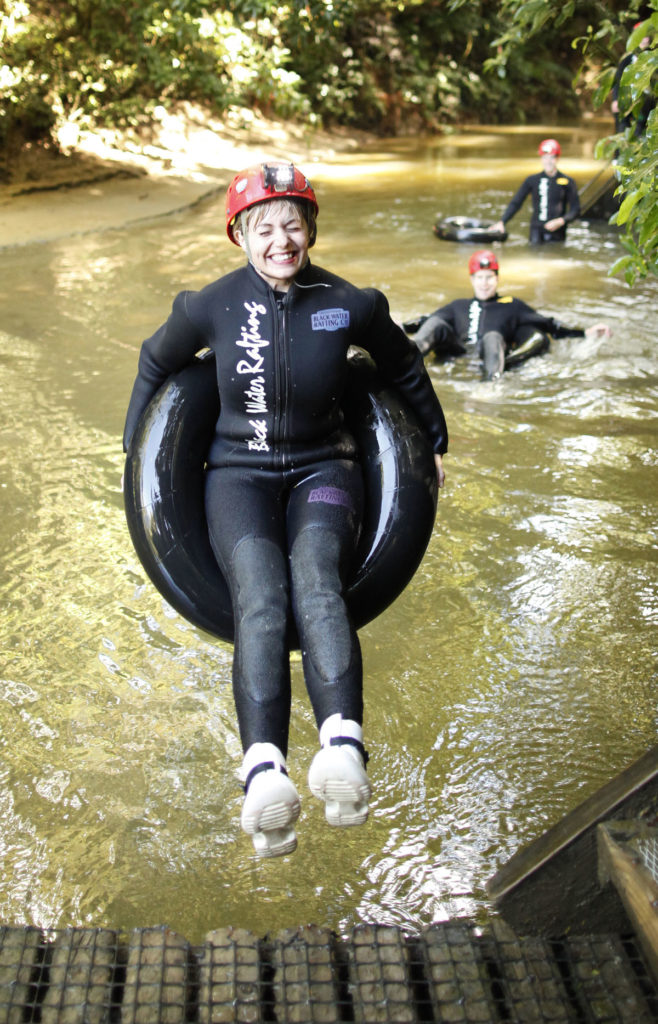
399	65
386	65
635	152
110	62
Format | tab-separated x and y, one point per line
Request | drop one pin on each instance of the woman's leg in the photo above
246	523
245	513
324	512
324	515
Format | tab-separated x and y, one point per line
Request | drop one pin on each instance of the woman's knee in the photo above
259	583
321	615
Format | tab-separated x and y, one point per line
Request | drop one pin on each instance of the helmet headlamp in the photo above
279	177
483	259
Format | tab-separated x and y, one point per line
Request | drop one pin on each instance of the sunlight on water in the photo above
514	676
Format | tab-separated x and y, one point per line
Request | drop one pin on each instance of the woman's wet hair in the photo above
252	217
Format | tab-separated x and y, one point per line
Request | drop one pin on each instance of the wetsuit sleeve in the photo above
621	67
573	203
401	363
559	330
526	316
517	200
171	348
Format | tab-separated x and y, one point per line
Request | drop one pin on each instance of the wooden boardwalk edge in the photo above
609	802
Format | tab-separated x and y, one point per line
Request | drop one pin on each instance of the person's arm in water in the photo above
514	205
526	316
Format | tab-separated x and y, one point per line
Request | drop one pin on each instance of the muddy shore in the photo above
109	179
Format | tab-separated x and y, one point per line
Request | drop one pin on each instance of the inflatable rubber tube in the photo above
164	494
467	229
534	345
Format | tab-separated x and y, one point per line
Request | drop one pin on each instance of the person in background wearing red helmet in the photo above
555	201
283	484
489	326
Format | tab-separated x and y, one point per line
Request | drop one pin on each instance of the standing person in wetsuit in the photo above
555	201
496	329
622	105
283	483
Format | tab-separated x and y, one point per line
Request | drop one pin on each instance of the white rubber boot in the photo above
337	774
271	804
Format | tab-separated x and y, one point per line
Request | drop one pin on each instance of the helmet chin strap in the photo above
244	238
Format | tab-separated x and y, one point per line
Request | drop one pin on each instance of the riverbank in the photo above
109	179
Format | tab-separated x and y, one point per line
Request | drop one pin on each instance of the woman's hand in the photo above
440	472
553	225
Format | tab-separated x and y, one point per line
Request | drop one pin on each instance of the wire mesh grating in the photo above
647	848
451	972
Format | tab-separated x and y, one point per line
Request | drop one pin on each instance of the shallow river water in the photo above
514	676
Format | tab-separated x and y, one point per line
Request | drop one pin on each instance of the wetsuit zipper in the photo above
281	367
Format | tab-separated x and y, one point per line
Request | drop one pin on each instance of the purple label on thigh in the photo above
331	496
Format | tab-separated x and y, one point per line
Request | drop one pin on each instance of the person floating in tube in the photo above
497	329
284	488
555	201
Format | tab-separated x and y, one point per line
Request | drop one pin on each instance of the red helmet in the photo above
483	259
257	184
550	146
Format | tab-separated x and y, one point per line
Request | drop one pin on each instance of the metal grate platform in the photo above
452	972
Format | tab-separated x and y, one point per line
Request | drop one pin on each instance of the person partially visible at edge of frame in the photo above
622	115
491	327
284	491
555	201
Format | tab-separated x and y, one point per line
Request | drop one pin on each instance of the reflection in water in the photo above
514	676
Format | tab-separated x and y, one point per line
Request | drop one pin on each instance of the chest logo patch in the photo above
330	319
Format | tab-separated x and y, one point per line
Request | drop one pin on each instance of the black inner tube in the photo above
467	229
164	494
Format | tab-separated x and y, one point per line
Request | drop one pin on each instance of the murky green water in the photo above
514	676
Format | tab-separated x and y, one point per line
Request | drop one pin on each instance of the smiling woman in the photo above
283	485
275	235
278	242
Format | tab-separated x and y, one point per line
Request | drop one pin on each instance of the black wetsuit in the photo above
283	487
622	118
623	97
552	197
460	327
